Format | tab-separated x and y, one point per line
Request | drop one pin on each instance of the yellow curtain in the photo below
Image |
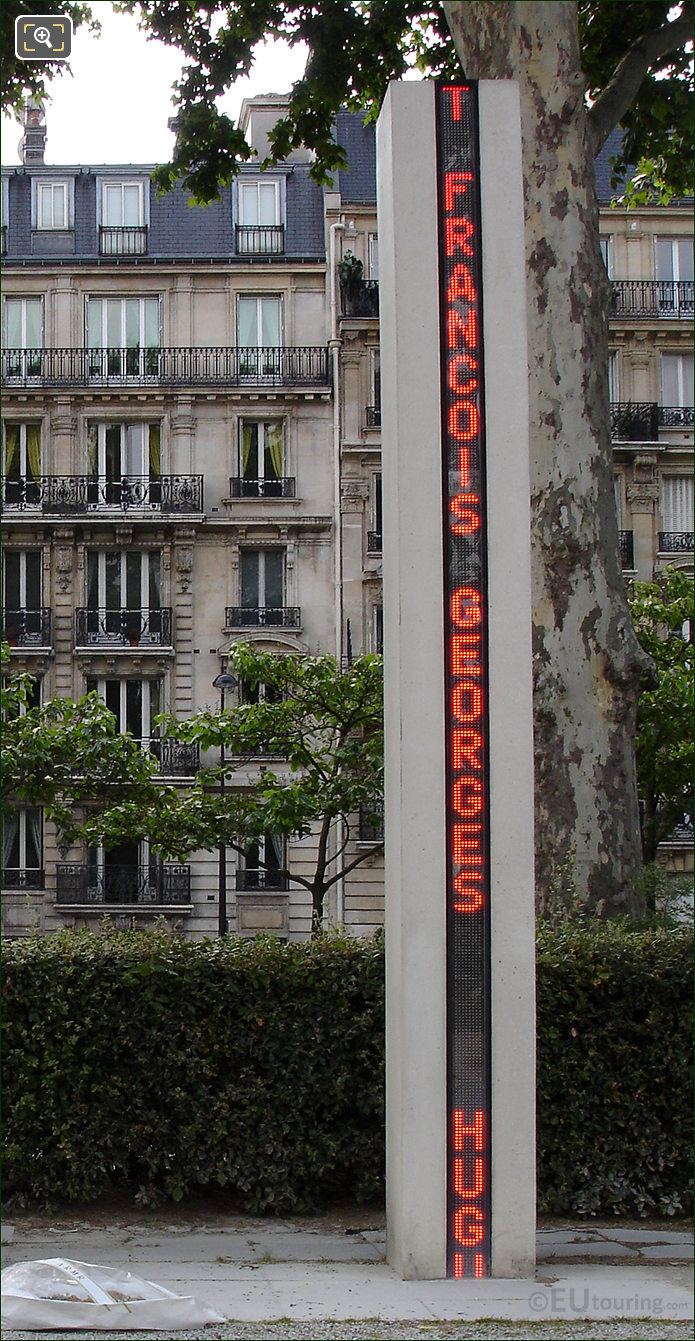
155	450
274	441
11	447
34	450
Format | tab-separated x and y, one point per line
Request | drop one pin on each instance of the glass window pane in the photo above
113	322
267	208
10	838
13	465
32	819
92	580
135	598
113	452
248	203
670	389
94	323
34	313
12	599
133	722
151	322
270	321
112	698
45	218
32	561
274	586
155	592
131	206
134	449
59	212
249	579
112	567
132	323
13	310
273	462
684	248
155	450
155	704
112	205
248	322
249	451
664	258
687	375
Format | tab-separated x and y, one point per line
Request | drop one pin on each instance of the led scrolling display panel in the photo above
466	700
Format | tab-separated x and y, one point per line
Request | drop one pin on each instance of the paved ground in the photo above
327	1279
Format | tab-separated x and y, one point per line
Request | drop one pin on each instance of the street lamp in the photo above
222	682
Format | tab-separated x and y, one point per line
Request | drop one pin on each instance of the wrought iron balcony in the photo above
15	877
634	421
143	628
627	550
247	879
304	365
373	416
27	628
175	758
676	416
676	542
260	239
144	885
262	616
122	241
644	298
70	495
372	823
360	298
241	487
374	542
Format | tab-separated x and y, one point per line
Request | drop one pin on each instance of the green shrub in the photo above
614	1070
170	1068
159	1064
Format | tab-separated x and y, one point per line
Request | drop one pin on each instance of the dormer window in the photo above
123	218
260	230
51	205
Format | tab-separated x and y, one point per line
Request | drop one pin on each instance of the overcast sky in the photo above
115	105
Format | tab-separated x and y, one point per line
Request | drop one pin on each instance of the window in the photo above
677	504
376	379
134	704
677	380
261	459
375	534
373	256
259	326
263	580
674	258
51	204
124	465
377	629
123	598
123	336
22	848
260	228
122	204
613	387
22	465
4	210
264	863
23	618
618	491
23	336
606	245
33	695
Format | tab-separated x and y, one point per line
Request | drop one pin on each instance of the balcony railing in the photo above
67	495
627	549
99	627
640	298
175	758
260	239
252	879
676	542
372	823
634	421
262	616
676	416
143	885
373	416
374	542
305	365
122	241
360	298
14	877
241	487
27	628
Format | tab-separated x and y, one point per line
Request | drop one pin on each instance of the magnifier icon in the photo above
43	36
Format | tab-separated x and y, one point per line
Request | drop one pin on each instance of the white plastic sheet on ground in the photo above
57	1293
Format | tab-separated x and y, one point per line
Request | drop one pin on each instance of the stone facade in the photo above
192	415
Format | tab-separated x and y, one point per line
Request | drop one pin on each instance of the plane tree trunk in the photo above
588	666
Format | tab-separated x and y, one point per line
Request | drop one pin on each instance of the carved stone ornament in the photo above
353	495
642	497
184	568
63	568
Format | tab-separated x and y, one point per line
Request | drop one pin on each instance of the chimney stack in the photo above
33	141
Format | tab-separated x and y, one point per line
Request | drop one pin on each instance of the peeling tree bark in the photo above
588	666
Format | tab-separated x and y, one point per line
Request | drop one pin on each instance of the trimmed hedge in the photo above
614	1070
170	1068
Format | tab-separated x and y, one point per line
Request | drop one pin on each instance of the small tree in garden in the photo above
662	613
315	734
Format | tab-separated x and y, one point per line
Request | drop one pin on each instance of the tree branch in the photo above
357	861
623	86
